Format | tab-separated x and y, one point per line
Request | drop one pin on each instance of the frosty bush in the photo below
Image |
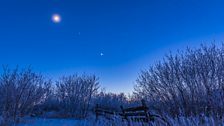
20	91
111	101
75	94
189	82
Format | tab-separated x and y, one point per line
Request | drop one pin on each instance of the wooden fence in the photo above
137	114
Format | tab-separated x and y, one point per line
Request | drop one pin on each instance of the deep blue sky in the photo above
132	35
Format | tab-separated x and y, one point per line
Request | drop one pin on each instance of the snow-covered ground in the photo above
180	121
51	122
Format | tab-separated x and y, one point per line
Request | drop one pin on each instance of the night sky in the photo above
113	39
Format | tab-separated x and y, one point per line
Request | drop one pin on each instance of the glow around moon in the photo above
56	18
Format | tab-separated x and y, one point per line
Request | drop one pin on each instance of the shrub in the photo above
75	94
189	82
20	91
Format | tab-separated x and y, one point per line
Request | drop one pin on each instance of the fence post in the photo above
125	116
96	111
147	116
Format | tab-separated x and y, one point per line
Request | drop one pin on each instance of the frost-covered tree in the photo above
188	82
111	101
75	94
20	91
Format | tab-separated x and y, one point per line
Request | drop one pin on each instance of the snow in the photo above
50	122
177	121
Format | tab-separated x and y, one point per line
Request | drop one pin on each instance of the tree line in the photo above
188	82
24	92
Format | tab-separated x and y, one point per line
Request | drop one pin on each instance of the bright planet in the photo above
56	18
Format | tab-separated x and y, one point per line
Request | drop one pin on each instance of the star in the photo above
56	18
